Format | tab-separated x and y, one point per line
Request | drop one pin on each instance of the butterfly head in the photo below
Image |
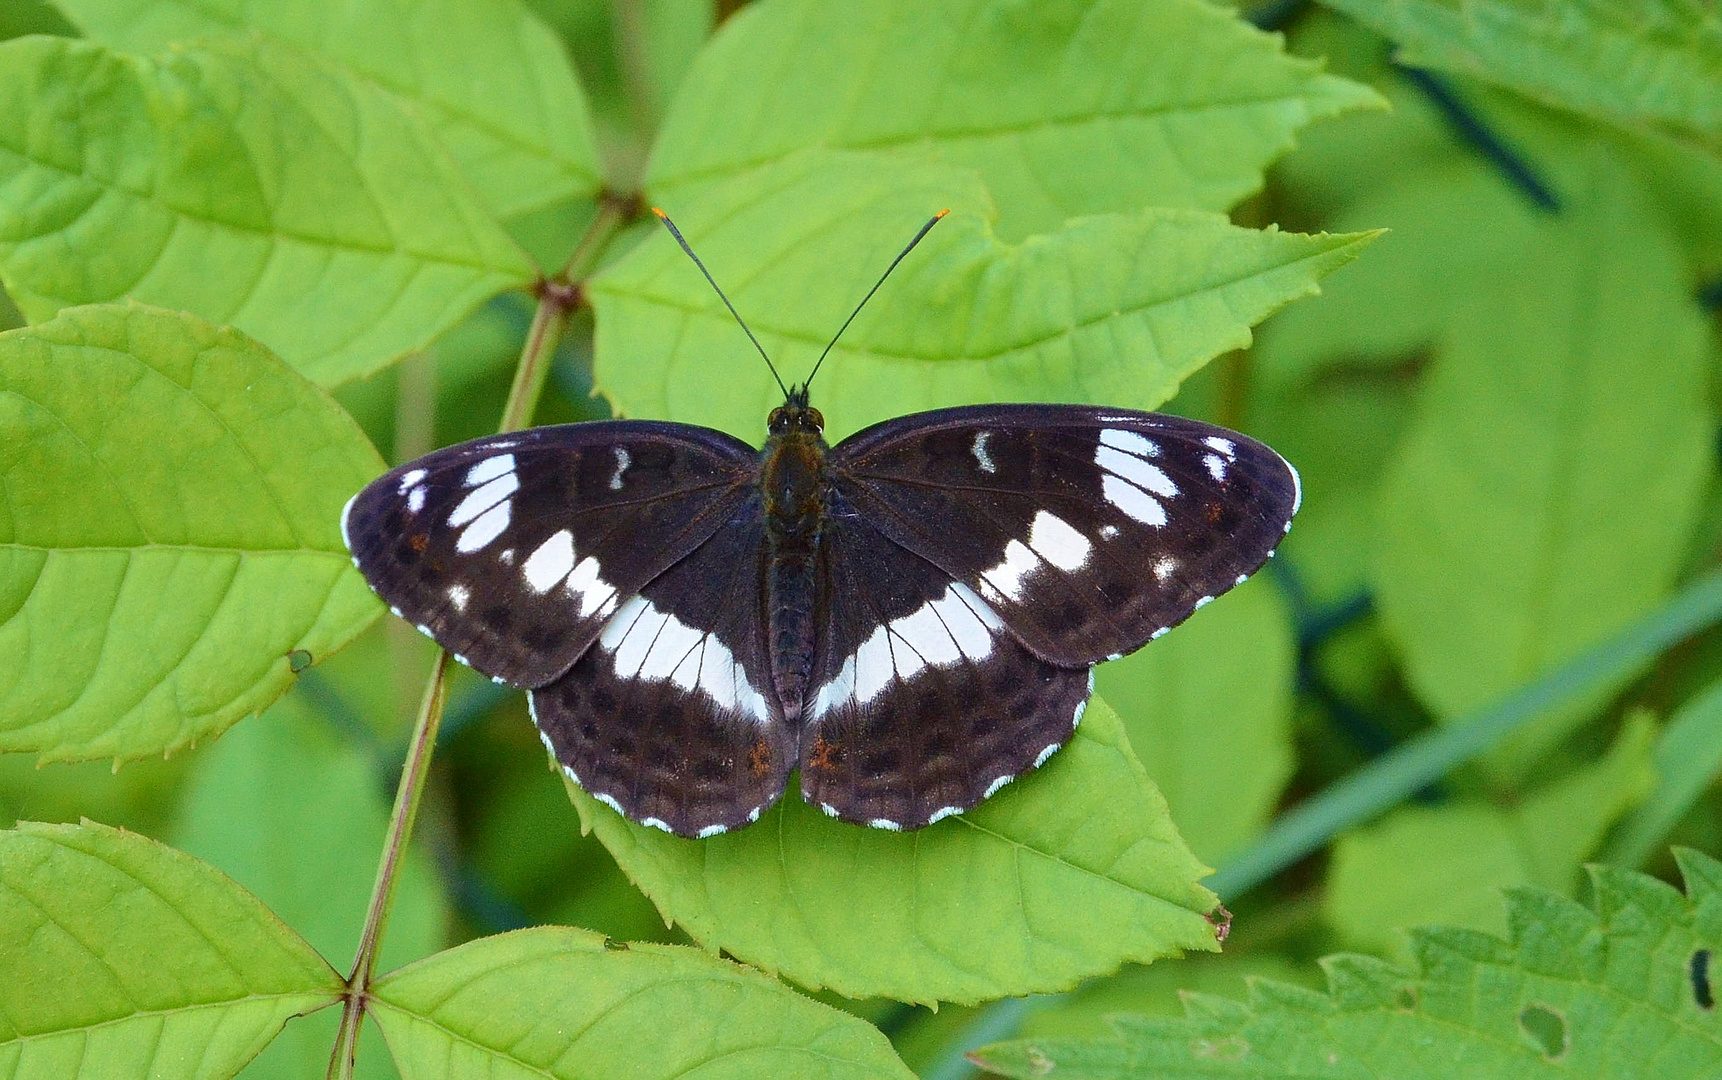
795	415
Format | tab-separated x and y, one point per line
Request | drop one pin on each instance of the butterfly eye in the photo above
815	420
778	422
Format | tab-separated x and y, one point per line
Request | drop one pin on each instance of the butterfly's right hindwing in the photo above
513	551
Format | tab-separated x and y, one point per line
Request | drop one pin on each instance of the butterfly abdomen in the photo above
795	491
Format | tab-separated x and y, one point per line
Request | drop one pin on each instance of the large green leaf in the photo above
1602	991
121	958
492	80
1546	493
296	815
1447	864
1066	109
1636	62
556	1002
1208	711
1065	874
1115	309
170	543
246	183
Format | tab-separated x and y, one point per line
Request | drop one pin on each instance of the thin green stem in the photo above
407	798
556	298
1388	780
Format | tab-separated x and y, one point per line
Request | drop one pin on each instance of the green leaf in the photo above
169	532
1688	760
120	957
296	815
1637	62
1601	991
1527	514
1209	710
1158	990
1447	864
20	17
1066	109
557	1002
966	318
245	183
491	80
1066	874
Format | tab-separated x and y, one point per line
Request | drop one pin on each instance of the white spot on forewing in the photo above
345	510
1130	442
506	557
1164	567
1135	502
622	460
1054	540
550	563
1216	467
458	596
1006	577
982	458
1134	469
416	499
1107	532
1224	446
477	502
488	527
410	478
489	469
753	815
595	593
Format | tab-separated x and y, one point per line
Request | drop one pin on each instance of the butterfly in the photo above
908	619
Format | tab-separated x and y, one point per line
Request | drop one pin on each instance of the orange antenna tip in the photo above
941	213
660	213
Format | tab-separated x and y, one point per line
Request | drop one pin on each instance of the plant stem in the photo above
556	298
1393	777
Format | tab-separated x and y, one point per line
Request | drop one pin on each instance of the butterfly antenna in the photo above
925	229
677	233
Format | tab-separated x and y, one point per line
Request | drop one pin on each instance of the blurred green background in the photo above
1505	416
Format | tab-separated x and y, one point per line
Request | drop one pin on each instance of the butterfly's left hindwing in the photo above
1088	530
669	717
513	551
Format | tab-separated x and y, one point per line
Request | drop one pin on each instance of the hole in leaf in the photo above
1546	1028
612	945
298	660
1701	980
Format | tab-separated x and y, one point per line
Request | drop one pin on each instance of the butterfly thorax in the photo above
794	489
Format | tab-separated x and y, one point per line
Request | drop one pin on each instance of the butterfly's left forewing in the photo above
512	552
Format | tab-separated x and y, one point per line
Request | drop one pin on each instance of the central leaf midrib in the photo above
802	337
936	136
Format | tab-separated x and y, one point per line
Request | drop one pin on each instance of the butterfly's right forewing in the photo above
512	552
